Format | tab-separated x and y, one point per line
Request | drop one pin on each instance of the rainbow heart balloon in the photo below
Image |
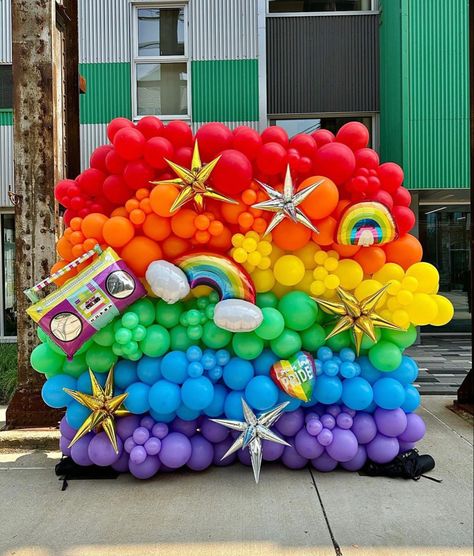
296	376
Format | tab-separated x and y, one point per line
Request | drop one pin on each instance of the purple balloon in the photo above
415	429
127	425
292	459
101	451
80	450
314	427
333	410
328	421
405	446
390	422
357	462
146	469
382	449
244	456
343	446
311	415
152	446
129	444
141	435
175	450
307	446
325	437
213	431
271	450
160	430
291	422
349	411
138	454
220	449
64	445
344	420
121	465
188	428
66	429
202	453
148	422
364	427
324	463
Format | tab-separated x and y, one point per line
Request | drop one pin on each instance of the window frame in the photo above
8	109
4	339
136	59
374	9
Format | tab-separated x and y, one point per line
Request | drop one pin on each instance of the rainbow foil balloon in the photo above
366	224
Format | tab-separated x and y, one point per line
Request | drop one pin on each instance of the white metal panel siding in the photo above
223	29
232	125
104	31
6	163
5	32
92	136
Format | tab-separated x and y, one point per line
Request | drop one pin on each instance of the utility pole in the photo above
46	149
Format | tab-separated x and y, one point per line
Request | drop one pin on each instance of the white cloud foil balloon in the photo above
167	281
237	315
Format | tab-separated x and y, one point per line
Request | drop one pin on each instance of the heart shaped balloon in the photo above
295	376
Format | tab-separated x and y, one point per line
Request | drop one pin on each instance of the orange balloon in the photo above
405	251
290	235
221	242
340	208
139	253
75	223
322	201
182	223
327	229
120	211
347	251
118	231
77	251
92	225
156	227
161	199
64	248
89	244
65	277
231	213
174	247
371	259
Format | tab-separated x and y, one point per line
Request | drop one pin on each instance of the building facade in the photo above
399	66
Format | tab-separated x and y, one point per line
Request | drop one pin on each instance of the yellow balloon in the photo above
317	288
445	310
306	282
422	310
288	270
306	254
389	271
276	253
350	274
392	304
320	273
280	290
404	297
331	281
263	280
368	287
410	283
400	318
427	276
394	287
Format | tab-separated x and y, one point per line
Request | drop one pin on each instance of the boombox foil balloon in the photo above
87	302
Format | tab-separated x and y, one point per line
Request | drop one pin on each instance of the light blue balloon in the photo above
407	372
412	399
324	353
237	373
162	417
137	399
222	357
194	353
164	397
216	407
330	368
388	393
197	393
284	397
195	369
76	414
208	360
215	374
174	367
261	393
233	405
367	370
125	373
347	354
348	369
149	369
263	363
357	393
84	382
187	414
53	393
327	389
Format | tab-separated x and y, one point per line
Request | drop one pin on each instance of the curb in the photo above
30	439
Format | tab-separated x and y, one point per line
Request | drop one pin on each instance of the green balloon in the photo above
136	355
287	344
85	347
130	320
52	345
41	335
156	342
385	356
145	309
247	345
402	339
123	336
298	310
168	315
195	332
179	338
100	358
44	360
214	337
105	336
75	366
367	343
313	337
272	325
139	333
339	341
267	299
50	375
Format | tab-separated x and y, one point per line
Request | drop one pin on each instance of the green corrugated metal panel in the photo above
108	92
6	117
225	90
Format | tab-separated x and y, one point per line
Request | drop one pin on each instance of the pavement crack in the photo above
337	548
447	426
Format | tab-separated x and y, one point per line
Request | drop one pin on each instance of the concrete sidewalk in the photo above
221	512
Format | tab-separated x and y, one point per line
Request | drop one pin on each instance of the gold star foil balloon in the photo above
358	316
104	406
285	204
192	183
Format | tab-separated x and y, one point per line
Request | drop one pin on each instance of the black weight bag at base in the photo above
407	465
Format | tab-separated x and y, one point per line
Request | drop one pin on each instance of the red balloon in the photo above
366	158
115	125
150	126
272	159
183	156
373	185
68	216
247	141
335	161
138	174
179	133
90	181
404	218
323	137
384	198
61	189
391	176
115	190
129	143
156	150
232	174
213	138
304	144
77	203
275	134
294	160
304	166
402	197
114	163
359	184
97	159
353	134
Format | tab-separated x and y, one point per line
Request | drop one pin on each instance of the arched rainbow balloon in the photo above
365	224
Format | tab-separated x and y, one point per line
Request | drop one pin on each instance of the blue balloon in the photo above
208	360
84	381
186	414
216	407
319	367
237	373
76	414
197	393
263	363
149	369
222	357
357	393
125	373
162	417
371	408
195	369
348	369
137	399
412	399
284	397
388	393
233	405
174	367
261	393
347	354
327	389
194	353
324	353
330	367
164	397
216	373
407	372
53	393
367	370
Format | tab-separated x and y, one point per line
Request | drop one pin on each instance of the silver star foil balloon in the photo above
285	205
253	430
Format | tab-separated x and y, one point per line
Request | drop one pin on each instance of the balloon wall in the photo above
276	271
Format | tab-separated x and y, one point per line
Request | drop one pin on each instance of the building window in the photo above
160	62
290	6
6	87
7	286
